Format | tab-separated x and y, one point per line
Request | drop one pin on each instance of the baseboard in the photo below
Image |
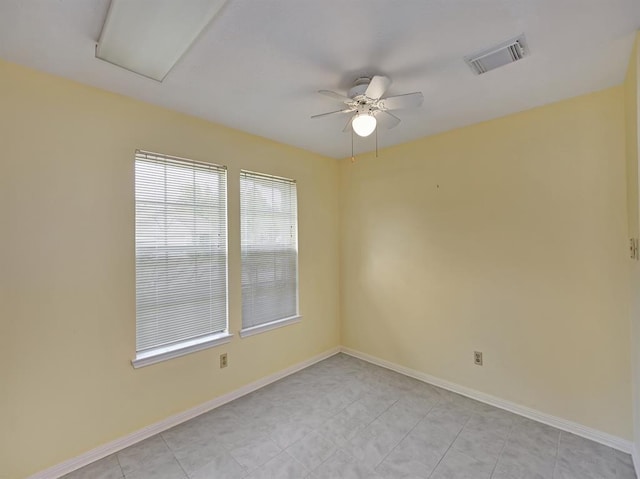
635	455
126	441
563	424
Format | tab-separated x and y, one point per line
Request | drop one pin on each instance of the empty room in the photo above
297	239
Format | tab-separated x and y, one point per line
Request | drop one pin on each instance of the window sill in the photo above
245	333
176	350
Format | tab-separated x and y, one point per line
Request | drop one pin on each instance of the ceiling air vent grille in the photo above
500	55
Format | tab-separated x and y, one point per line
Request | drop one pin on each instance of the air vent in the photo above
500	55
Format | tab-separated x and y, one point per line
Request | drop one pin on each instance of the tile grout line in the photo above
174	455
388	407
120	465
341	447
247	472
451	445
405	436
317	431
502	450
308	471
555	465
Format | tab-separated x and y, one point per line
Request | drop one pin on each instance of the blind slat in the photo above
269	248
181	250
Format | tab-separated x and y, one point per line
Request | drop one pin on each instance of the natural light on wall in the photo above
149	38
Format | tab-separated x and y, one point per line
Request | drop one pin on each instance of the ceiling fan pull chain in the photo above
353	158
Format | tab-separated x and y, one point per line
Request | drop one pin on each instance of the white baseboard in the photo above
126	441
563	424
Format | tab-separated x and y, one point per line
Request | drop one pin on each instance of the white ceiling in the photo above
258	65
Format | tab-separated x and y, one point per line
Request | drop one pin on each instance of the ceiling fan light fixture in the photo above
364	124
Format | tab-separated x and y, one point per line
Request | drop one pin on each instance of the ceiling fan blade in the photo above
377	87
346	110
409	100
347	127
388	120
336	96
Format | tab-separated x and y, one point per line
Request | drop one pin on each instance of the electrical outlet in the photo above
477	358
223	360
633	248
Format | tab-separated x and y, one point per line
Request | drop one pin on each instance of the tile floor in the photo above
345	418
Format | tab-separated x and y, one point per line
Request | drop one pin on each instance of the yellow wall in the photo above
67	310
631	134
507	237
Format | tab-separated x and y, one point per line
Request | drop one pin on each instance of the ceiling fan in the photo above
365	104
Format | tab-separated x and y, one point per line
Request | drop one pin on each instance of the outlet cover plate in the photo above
477	358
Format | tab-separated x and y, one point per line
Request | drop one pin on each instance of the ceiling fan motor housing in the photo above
359	87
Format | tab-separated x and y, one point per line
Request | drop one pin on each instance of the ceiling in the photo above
258	65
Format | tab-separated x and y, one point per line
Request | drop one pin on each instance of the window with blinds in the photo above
269	244
181	253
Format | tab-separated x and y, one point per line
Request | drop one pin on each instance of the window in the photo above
269	237
181	256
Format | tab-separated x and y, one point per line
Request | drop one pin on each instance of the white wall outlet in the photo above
633	248
477	358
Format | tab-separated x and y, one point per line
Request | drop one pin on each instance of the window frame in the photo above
185	346
297	317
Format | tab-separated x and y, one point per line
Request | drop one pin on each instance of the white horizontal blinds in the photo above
181	250
269	231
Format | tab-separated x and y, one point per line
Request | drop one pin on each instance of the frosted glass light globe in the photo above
364	124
